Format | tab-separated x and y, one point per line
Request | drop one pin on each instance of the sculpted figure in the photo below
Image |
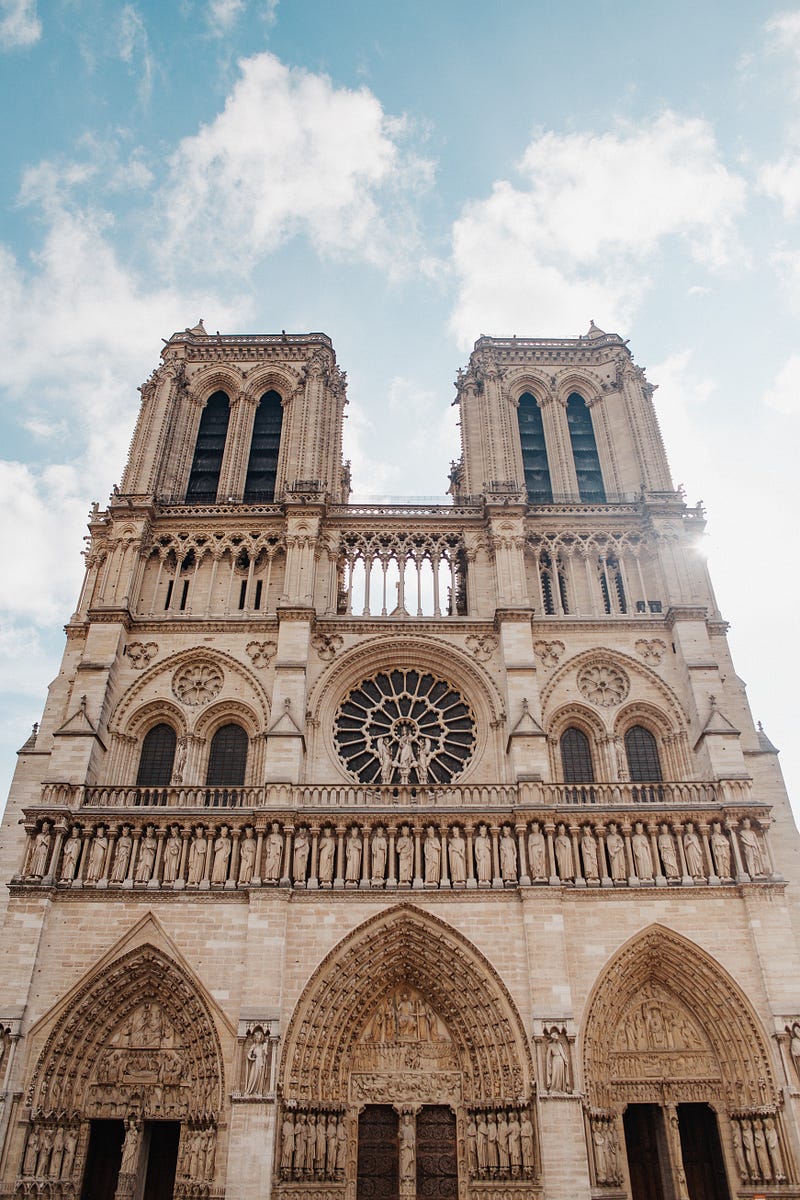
557	1064
180	761
616	854
773	1145
69	860
492	1154
41	852
589	854
172	854
300	857
508	856
122	857
57	1155
273	853
641	853
385	759
257	1056
762	1156
147	855
341	1147
472	1145
483	856
407	1164
502	1142
514	1144
330	1138
694	852
353	848
247	856
222	854
537	853
327	855
433	856
457	854
197	855
423	759
379	849
97	856
600	1156
666	848
311	1144
287	1144
752	849
721	851
31	1153
70	1146
405	761
483	1144
45	1150
749	1149
794	1046
319	1147
130	1147
738	1154
563	849
299	1145
405	856
612	1152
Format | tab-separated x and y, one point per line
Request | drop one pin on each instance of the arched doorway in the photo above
126	1094
678	1077
406	1071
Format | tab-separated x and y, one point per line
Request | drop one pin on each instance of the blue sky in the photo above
403	177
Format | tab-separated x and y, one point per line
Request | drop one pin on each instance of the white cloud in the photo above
292	153
577	238
783	32
223	14
19	24
784	394
780	180
134	48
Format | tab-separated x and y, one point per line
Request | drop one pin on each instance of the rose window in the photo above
405	727
197	682
604	685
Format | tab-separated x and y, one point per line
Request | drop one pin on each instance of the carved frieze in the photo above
549	653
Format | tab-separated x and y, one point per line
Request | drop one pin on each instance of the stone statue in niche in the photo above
311	1144
457	856
752	849
774	1148
197	855
563	849
180	761
589	854
514	1144
330	1145
57	1155
641	853
666	848
31	1152
247	857
384	759
69	859
172	854
353	848
616	854
406	760
300	856
273	853
749	1149
257	1060
508	856
556	1063
483	856
222	855
408	1171
45	1150
97	855
341	1147
432	850
537	853
379	848
694	852
794	1046
405	855
327	856
41	852
287	1144
721	851
70	1147
147	855
424	755
122	856
472	1145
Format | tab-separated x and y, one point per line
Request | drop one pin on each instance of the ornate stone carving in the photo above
500	1146
603	684
261	653
652	650
558	1075
605	1150
327	645
751	847
197	682
141	654
256	1062
549	653
40	852
312	1147
482	645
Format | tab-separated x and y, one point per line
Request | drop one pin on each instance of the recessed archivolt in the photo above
587	384
661	958
406	947
527	379
580	715
216	378
154	712
270	379
641	677
641	713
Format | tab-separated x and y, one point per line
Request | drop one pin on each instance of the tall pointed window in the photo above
584	451
534	451
227	760
157	757
209	449
576	756
262	467
641	750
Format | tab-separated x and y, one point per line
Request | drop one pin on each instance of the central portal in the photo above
385	1139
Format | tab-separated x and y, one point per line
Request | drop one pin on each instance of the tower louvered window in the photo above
209	450
157	757
641	750
576	757
534	451
262	467
584	451
227	761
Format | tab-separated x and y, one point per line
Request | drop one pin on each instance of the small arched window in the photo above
158	757
534	451
209	450
641	749
576	756
262	466
584	451
227	761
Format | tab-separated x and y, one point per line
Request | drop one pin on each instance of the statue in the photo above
514	1144
405	855
341	1147
749	1149
180	761
433	857
773	1145
70	1147
319	1147
130	1147
31	1152
41	852
405	761
492	1154
257	1057
694	852
472	1145
147	855
311	1144
327	855
273	855
300	857
641	853
287	1145
738	1153
385	759
330	1138
721	851
57	1155
752	849
537	855
97	856
483	1144
616	854
457	854
247	857
69	859
666	848
762	1157
483	856
424	756
794	1046
45	1150
556	1064
172	855
508	856
589	854
563	849
353	848
379	849
222	854
408	1174
502	1142
122	856
197	855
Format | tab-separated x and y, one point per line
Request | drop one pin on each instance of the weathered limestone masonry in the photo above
372	850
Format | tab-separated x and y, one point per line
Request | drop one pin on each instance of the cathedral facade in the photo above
388	851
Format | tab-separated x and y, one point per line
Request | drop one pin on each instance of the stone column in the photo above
338	880
313	881
574	830
154	883
471	880
391	865
549	830
602	859
418	880
741	874
180	881
497	879
524	877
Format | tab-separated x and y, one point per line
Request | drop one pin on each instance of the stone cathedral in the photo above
381	851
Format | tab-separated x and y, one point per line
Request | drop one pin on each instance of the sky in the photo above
404	177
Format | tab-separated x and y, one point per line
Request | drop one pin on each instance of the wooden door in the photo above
437	1164
378	1159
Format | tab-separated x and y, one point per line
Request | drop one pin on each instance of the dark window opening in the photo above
103	1160
243	593
584	451
227	760
259	587
641	749
158	757
576	757
170	586
209	450
262	466
534	451
184	594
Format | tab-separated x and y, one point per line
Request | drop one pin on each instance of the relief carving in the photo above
197	682
549	653
652	650
603	684
482	646
327	645
261	653
141	654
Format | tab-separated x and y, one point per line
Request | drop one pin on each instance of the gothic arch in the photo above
406	946
639	674
586	383
538	382
217	377
268	377
658	959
